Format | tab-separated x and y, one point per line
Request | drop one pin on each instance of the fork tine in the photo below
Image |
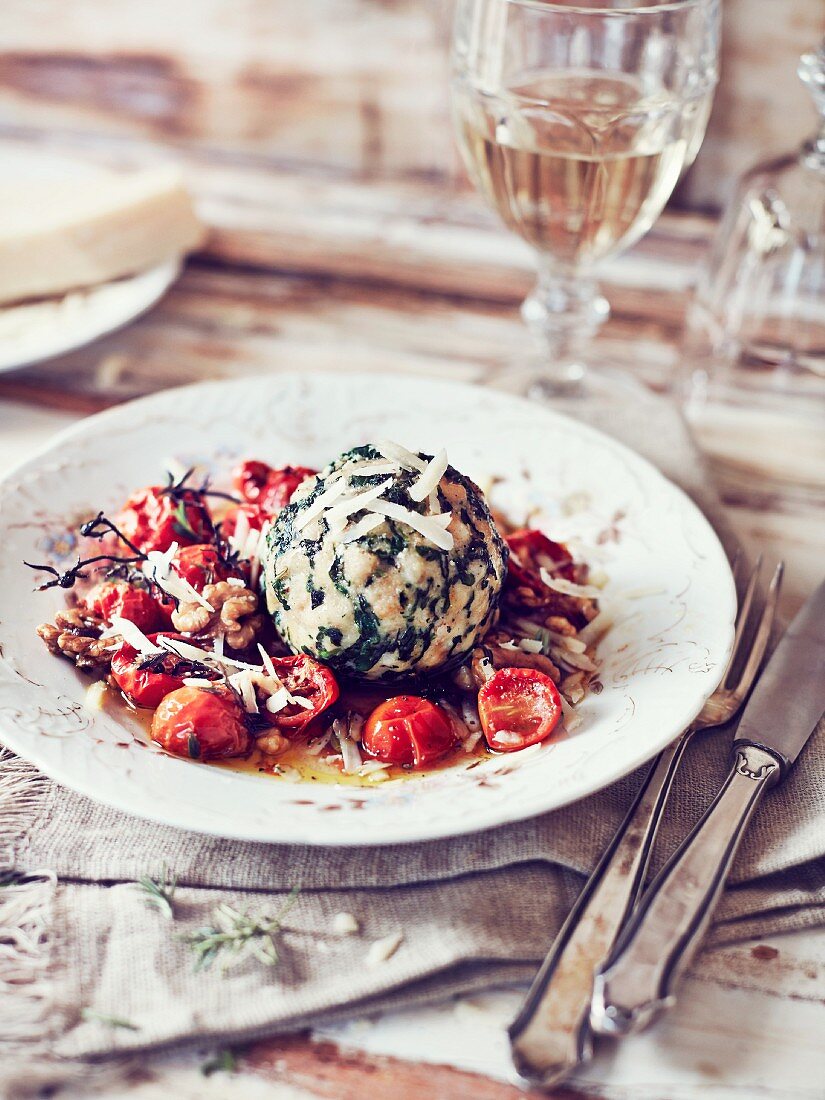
761	638
743	611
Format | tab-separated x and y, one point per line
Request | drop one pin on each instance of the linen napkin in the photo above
89	969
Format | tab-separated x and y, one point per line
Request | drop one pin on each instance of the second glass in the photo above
575	121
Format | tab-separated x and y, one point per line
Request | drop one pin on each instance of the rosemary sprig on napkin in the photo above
235	935
160	891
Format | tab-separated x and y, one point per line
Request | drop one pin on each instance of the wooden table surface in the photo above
306	271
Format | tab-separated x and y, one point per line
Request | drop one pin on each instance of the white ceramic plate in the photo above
31	332
669	588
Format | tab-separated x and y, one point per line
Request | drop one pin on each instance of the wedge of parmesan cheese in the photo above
57	235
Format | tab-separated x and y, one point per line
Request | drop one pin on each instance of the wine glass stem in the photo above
563	311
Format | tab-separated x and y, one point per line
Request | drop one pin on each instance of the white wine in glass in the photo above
575	122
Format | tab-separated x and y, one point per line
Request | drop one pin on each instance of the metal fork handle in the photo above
551	1034
638	981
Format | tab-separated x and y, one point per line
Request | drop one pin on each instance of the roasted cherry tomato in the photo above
408	730
255	519
529	551
201	565
145	680
117	599
152	519
308	680
271	489
518	707
201	723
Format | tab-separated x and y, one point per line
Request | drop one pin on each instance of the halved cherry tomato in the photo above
152	519
271	489
201	565
408	730
146	680
201	723
527	549
118	599
518	707
309	680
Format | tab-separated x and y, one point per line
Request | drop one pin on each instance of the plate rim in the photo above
481	822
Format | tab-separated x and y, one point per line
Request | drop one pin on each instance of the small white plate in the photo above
669	590
31	332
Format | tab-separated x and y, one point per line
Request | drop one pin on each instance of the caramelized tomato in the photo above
270	488
408	730
309	681
518	707
530	550
146	680
201	565
201	723
152	519
118	599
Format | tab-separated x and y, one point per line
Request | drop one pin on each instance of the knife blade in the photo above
789	697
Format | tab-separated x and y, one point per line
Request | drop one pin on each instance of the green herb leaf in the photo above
235	935
110	1021
160	891
221	1060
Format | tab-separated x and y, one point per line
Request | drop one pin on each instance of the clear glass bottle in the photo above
755	332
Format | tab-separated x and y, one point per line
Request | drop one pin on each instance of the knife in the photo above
638	979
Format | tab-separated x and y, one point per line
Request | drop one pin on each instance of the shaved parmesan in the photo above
278	700
237	540
363	527
508	737
359	502
567	588
268	664
321	503
470	743
158	567
302	701
197	682
425	525
134	636
400	455
244	684
383	949
531	645
430	477
344	924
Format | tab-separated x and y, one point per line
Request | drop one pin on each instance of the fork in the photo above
551	1035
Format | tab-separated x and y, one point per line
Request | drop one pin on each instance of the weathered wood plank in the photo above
359	85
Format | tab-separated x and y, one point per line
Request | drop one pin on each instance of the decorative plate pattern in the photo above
669	591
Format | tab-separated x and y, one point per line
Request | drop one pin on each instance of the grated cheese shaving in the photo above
321	503
425	525
430	477
244	684
344	924
531	645
197	682
278	700
396	453
363	527
134	636
567	588
383	949
357	503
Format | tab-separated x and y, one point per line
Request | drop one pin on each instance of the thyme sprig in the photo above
74	573
236	935
110	1021
160	891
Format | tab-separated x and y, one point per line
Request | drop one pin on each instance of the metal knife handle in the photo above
551	1034
638	980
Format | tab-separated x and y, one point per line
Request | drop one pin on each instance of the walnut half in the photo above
75	634
234	614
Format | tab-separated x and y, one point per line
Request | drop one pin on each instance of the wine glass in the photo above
575	119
